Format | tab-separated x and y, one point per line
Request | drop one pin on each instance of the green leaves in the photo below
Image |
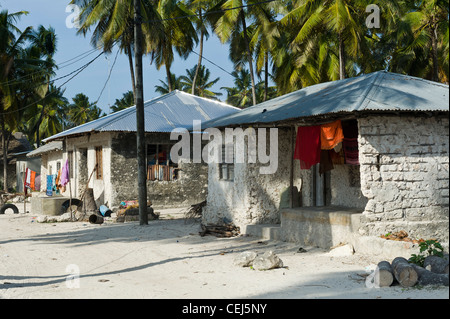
429	247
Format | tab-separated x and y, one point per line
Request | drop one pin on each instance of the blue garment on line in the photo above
49	185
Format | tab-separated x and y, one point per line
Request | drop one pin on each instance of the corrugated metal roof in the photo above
49	147
162	114
378	91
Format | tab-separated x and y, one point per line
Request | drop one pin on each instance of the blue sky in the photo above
92	80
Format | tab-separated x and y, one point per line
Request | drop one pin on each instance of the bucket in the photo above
95	219
105	211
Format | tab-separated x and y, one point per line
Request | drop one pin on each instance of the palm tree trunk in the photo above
266	75
199	64
434	53
5	154
341	58
249	56
169	79
130	61
38	126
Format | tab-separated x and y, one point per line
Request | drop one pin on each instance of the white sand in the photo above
168	259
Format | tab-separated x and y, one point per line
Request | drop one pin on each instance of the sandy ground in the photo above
167	259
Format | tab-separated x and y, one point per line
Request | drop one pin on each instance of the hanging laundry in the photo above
337	155
49	185
351	153
37	183
54	186
32	179
58	180
307	146
27	177
326	163
65	174
331	134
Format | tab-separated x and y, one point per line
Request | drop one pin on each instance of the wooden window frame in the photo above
161	171
70	158
99	162
226	167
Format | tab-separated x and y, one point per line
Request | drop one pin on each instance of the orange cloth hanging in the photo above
32	179
331	134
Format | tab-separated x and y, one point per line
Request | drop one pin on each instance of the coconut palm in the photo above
241	94
178	34
112	22
82	111
202	76
12	41
42	47
202	17
46	119
342	18
175	83
422	35
233	24
124	102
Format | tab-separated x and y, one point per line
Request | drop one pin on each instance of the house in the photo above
102	153
394	175
18	147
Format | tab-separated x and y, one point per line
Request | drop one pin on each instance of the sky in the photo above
92	80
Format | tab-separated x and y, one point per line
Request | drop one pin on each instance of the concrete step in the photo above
264	231
324	227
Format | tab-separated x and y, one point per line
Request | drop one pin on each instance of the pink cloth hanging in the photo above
65	174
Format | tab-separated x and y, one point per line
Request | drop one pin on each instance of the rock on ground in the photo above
267	261
245	259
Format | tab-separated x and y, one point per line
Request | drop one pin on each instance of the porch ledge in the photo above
325	226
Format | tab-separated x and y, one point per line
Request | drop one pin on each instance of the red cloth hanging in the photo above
307	146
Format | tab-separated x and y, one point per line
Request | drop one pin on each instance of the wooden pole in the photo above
291	177
24	190
140	122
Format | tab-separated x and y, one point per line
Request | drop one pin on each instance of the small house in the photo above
387	172
102	154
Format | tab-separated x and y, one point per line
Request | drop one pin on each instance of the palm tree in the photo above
342	18
82	111
203	18
233	24
112	22
175	84
178	34
43	47
126	101
202	75
47	117
241	94
11	42
422	35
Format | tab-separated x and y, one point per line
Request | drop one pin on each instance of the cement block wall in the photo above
405	175
190	188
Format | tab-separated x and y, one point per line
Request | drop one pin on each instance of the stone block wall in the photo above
190	188
405	175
